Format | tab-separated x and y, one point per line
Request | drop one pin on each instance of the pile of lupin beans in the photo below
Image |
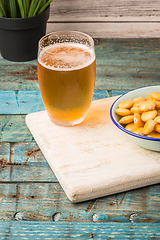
141	115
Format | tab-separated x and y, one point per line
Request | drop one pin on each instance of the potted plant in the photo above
22	24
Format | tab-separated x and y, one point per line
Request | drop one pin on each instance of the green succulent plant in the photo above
22	8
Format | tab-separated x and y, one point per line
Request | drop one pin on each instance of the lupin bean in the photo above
157	104
157	127
131	127
157	119
154	134
139	131
141	115
135	110
150	97
147	105
127	119
138	102
148	115
137	120
148	127
156	95
126	104
123	111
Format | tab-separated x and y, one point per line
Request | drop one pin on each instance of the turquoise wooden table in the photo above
32	203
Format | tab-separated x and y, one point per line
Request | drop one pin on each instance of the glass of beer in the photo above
66	75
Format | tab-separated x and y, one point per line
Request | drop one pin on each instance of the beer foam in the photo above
66	56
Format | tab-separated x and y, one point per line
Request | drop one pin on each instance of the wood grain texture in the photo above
18	76
110	29
23	102
46	201
122	64
13	129
62	10
106	18
8	201
29	164
20	102
74	230
5	168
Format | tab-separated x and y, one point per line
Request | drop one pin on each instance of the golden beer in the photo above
66	74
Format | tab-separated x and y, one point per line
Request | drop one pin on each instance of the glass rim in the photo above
66	31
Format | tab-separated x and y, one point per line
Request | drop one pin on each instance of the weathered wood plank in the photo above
23	153
39	201
4	152
8	201
127	66
63	10
121	64
73	230
109	19
20	102
14	129
24	102
18	76
110	29
5	168
29	164
32	171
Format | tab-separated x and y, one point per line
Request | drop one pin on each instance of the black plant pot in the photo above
19	36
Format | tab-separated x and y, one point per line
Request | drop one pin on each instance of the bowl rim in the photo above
121	127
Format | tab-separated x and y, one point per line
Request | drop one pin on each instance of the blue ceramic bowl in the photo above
143	141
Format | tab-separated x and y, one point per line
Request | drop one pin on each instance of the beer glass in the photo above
66	75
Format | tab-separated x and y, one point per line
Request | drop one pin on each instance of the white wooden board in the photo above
94	159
